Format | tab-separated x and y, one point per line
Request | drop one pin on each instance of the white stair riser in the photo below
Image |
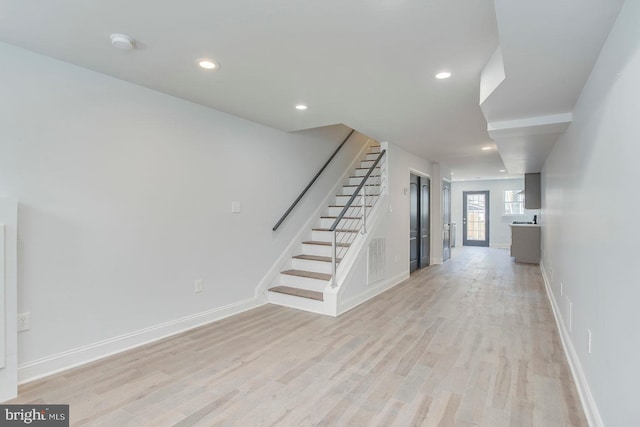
371	189
358	180
326	236
303	282
344	223
352	211
347	191
366	163
372	156
363	172
342	199
293	301
316	250
309	265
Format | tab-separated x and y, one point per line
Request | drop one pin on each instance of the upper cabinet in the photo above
532	191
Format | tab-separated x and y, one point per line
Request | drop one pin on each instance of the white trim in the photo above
79	356
372	292
421	174
500	245
586	397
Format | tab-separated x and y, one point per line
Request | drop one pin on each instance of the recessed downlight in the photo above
502	170
301	107
486	148
443	75
208	64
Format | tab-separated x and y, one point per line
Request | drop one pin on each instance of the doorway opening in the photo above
420	222
475	218
446	220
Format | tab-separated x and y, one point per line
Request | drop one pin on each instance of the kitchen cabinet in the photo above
532	199
525	243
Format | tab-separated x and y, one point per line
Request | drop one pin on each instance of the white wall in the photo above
394	227
125	197
8	297
499	230
589	230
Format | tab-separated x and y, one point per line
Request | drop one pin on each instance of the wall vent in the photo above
377	260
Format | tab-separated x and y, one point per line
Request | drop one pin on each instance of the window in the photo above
513	202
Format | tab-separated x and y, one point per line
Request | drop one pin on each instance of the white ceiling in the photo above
369	64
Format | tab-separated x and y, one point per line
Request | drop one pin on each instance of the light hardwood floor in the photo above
471	342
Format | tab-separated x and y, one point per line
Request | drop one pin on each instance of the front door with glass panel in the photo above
475	218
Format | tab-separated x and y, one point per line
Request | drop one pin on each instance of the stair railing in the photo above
313	180
356	222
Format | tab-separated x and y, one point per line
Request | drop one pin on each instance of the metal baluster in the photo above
334	247
364	209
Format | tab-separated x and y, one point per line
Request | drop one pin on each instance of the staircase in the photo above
310	275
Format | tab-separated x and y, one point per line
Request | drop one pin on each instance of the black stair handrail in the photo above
293	205
357	190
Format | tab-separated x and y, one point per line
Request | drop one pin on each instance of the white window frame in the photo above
519	201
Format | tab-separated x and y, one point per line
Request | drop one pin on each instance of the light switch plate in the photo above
235	207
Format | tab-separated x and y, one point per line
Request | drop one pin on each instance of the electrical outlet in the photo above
24	321
570	314
197	286
235	207
589	340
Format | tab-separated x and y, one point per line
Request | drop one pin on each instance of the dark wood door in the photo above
425	221
414	223
475	218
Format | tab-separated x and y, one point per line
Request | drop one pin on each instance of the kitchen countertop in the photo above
524	225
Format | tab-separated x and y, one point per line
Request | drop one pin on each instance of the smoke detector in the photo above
122	42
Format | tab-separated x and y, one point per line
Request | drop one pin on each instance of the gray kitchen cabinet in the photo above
532	191
525	243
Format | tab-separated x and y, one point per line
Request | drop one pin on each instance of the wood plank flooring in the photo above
468	343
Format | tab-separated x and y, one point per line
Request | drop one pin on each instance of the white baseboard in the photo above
586	398
376	290
79	356
500	245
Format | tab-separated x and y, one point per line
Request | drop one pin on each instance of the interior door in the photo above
446	220
425	223
475	218
414	248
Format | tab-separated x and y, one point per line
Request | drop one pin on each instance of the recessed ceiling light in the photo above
208	64
486	148
443	75
502	170
301	107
